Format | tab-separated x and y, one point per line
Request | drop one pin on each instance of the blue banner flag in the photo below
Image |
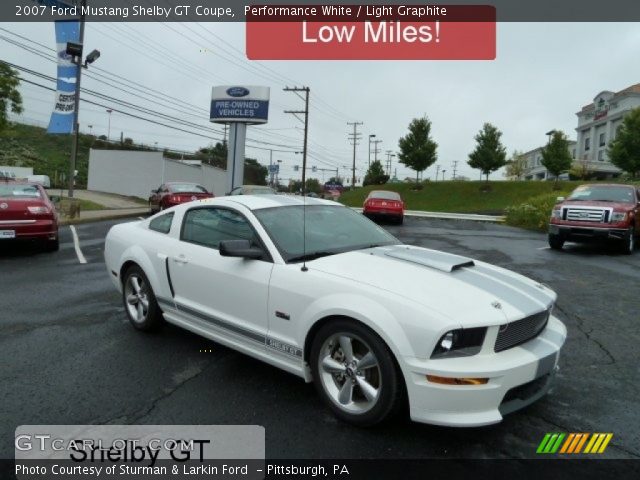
62	115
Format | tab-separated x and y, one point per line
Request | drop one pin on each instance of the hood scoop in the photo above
445	262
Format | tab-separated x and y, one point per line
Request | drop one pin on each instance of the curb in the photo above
449	216
77	221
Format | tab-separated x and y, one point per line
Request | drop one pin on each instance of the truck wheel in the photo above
556	242
629	243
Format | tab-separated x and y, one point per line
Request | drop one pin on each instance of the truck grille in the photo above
520	331
585	214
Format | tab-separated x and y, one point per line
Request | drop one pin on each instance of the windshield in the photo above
187	188
384	195
603	193
329	229
20	191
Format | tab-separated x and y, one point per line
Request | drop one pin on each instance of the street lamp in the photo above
90	129
373	135
75	51
109	111
443	172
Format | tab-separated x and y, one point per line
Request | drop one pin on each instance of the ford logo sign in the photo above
237	92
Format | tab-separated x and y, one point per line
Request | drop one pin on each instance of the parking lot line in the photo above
76	245
544	248
141	218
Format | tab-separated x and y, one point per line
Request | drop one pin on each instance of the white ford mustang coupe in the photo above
317	289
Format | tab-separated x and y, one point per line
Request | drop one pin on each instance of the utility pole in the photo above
455	168
375	149
390	154
437	172
354	137
295	113
270	164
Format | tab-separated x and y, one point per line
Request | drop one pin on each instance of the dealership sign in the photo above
244	104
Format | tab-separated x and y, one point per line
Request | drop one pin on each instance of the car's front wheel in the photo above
139	301
629	243
355	373
556	242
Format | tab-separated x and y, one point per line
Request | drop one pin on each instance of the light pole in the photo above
109	111
373	135
90	129
278	174
75	51
443	172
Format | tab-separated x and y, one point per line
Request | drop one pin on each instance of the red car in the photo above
175	193
384	204
597	212
26	212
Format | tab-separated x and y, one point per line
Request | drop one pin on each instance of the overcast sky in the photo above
543	74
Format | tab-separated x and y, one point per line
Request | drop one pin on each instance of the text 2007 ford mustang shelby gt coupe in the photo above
316	289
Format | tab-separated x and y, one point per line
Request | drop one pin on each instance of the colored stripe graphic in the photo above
572	443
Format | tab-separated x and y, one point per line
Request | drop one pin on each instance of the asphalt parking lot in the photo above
69	356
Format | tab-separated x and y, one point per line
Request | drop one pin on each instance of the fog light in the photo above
457	381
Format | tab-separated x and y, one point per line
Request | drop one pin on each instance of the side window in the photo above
209	226
162	223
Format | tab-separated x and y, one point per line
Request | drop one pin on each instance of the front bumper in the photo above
517	377
588	233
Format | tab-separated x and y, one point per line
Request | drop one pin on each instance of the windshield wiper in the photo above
310	256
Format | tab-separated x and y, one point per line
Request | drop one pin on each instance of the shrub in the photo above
534	213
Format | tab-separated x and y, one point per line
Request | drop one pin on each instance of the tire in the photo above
400	220
362	395
628	244
52	245
556	242
136	291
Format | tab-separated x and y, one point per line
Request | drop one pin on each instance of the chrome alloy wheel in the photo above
136	293
350	373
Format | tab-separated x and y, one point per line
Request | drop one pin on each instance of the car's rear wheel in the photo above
556	242
139	300
400	220
355	373
629	243
52	245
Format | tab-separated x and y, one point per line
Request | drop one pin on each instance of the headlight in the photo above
618	217
556	213
462	342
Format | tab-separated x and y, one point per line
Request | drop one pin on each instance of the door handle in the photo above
181	259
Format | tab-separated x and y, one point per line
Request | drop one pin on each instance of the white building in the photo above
135	173
534	168
598	124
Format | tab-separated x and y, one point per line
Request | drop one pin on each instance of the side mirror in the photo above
560	199
239	248
54	198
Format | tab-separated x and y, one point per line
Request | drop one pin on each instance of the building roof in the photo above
629	90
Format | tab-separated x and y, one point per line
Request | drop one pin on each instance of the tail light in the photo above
174	198
39	210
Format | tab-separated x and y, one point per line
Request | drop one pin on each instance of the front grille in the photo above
515	333
587	214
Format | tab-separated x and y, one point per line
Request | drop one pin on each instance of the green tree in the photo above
516	166
556	157
215	155
624	150
254	172
9	95
489	154
375	175
417	149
